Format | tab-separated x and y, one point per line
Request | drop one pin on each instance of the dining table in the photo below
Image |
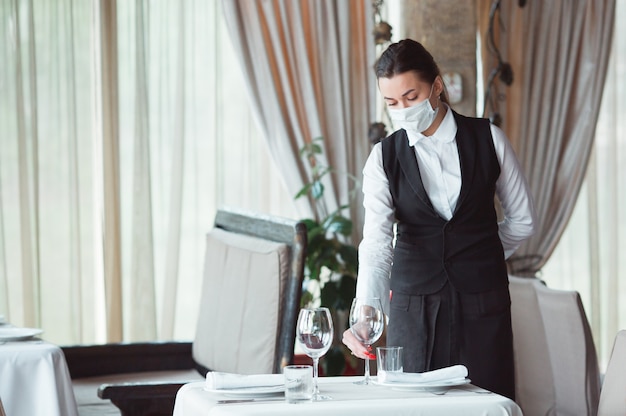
34	377
348	398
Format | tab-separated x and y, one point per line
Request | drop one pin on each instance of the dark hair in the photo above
408	55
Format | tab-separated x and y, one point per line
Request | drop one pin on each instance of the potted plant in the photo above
331	264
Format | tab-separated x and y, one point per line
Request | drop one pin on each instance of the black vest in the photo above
429	250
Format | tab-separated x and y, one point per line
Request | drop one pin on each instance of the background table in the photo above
349	398
34	380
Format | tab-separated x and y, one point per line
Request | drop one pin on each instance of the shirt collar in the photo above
446	132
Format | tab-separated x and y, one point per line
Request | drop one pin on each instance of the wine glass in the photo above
366	323
315	335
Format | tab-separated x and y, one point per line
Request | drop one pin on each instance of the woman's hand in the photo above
358	349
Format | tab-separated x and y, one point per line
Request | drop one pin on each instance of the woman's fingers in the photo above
357	348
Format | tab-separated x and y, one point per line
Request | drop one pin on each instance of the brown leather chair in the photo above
253	273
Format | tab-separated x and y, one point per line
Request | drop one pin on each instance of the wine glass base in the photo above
363	382
321	397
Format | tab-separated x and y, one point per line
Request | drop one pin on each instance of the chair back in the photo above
534	380
613	393
572	351
555	357
252	284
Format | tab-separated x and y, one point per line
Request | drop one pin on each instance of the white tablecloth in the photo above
352	399
34	380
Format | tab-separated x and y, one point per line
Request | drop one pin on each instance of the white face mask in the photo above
414	119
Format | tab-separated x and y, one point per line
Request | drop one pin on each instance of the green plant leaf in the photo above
316	148
310	224
338	224
350	256
317	190
306	298
303	191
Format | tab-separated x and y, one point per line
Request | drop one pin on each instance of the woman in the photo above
444	282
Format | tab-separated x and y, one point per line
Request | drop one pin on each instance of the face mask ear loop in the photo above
432	88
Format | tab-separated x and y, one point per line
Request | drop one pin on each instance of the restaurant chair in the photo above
613	392
252	284
556	363
534	381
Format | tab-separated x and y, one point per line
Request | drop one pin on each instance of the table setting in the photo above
34	378
299	390
344	397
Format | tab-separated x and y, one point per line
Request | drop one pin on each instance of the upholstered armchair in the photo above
250	299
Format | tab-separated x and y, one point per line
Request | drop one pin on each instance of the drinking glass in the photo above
366	323
314	332
389	360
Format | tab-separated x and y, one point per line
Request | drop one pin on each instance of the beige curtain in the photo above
107	145
308	65
119	139
589	257
559	52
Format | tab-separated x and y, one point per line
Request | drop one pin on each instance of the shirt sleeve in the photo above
376	248
512	189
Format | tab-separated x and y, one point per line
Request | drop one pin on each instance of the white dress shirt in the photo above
438	161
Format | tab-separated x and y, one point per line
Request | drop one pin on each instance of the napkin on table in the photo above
454	372
219	381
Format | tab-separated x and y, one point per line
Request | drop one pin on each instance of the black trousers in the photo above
448	327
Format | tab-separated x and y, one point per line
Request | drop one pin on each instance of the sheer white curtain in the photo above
590	255
123	127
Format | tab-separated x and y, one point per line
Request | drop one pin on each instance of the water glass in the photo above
298	383
389	359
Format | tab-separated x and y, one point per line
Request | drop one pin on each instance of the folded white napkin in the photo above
454	372
221	381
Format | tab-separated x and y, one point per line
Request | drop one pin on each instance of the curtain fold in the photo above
67	18
111	213
27	146
176	185
588	258
142	324
308	70
550	111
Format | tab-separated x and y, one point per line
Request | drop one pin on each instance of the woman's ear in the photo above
439	86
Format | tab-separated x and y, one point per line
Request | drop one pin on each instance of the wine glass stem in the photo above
367	370
316	361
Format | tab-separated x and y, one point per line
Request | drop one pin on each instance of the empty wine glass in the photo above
366	323
315	334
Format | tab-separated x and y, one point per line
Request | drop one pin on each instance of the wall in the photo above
447	29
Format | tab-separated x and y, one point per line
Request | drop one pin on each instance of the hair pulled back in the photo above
408	55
